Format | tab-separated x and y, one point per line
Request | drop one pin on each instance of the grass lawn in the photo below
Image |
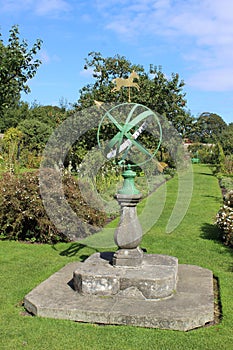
195	241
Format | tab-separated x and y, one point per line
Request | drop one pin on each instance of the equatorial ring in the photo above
131	121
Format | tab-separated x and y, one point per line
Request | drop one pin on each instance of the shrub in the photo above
23	216
228	198
207	153
224	219
226	183
220	161
229	164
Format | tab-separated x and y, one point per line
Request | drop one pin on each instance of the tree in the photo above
230	126
11	146
220	161
226	138
185	125
209	127
14	115
18	65
35	134
50	115
157	92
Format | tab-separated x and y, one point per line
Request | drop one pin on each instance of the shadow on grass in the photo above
215	198
74	249
211	232
205	173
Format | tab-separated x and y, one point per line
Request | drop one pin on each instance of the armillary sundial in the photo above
133	124
136	136
128	287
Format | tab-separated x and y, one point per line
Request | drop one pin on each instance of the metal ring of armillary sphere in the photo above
131	121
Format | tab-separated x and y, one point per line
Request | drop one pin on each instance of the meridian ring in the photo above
130	121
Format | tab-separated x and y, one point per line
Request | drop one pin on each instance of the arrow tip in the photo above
98	103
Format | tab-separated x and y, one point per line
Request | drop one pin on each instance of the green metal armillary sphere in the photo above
133	123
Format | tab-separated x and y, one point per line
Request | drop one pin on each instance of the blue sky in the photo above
191	37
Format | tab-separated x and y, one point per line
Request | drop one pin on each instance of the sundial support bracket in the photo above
128	187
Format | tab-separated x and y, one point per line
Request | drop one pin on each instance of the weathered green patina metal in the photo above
129	185
119	146
129	129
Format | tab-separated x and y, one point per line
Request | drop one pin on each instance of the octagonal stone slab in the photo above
190	307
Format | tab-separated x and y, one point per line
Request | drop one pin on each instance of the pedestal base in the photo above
154	278
191	306
128	257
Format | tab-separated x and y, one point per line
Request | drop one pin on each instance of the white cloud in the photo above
208	21
218	79
51	7
39	7
14	5
46	58
202	32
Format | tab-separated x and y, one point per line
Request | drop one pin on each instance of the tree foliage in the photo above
35	134
158	92
161	94
209	127
14	115
18	65
226	139
11	145
51	115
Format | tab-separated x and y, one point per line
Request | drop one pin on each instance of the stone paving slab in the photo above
191	306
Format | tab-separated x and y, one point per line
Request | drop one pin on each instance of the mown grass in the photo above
194	241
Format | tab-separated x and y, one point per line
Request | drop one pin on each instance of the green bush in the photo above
220	161
229	164
224	219
23	216
226	182
205	152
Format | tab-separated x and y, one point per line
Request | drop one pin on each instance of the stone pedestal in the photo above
128	257
155	278
191	306
128	234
